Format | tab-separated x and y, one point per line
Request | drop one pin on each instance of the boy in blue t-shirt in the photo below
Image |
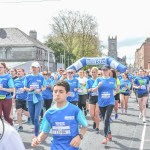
63	119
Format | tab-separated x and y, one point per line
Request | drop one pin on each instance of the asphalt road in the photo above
128	132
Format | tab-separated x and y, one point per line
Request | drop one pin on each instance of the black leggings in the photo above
47	105
82	102
106	113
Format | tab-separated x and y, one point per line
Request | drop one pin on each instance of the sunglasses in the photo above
70	72
64	74
99	74
45	74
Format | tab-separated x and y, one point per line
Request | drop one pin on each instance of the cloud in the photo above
131	41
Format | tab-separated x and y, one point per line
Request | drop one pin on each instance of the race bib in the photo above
124	88
34	85
105	95
143	87
18	91
61	130
80	90
94	93
71	94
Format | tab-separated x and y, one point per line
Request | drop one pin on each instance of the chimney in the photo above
33	34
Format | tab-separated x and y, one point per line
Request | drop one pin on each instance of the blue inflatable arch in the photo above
84	61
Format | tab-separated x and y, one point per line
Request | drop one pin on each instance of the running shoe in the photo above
116	116
29	121
122	111
97	130
105	140
110	120
109	136
140	115
94	125
20	129
125	112
144	120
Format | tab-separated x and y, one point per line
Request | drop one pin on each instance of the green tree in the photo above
77	32
59	49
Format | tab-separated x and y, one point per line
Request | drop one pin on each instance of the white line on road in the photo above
143	137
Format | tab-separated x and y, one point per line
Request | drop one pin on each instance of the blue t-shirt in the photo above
6	82
74	83
130	76
64	123
89	85
36	82
19	83
105	91
51	78
47	94
143	83
58	77
123	84
119	76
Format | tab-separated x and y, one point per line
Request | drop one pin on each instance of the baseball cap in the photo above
35	64
105	67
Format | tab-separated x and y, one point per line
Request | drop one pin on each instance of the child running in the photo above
63	119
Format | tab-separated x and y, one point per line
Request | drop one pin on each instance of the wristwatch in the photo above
81	136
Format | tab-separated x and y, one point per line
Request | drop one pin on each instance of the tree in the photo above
65	27
77	32
59	50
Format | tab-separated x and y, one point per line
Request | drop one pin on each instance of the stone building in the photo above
142	56
112	50
18	49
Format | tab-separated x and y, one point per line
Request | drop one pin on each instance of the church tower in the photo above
112	47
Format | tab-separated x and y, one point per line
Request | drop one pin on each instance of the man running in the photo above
21	97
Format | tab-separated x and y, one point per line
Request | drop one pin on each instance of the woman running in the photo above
125	86
116	92
35	84
141	84
74	85
106	101
94	109
82	91
47	94
6	87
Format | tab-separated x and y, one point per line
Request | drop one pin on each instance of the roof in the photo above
13	64
16	37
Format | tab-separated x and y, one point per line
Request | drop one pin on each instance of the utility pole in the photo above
68	60
64	59
48	61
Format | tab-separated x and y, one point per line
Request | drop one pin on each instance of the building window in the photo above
8	53
1	53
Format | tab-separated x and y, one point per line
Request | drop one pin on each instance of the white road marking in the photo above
143	137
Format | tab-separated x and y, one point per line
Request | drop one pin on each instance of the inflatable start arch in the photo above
84	61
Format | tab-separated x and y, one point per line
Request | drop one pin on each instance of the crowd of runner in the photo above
67	97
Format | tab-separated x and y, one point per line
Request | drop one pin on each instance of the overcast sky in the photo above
128	19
